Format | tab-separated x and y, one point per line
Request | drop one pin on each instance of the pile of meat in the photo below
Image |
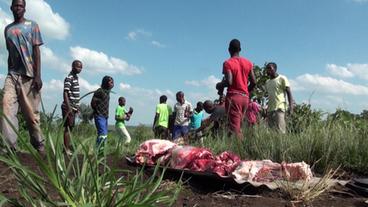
226	164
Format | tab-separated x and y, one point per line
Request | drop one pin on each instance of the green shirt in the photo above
276	89
120	112
164	112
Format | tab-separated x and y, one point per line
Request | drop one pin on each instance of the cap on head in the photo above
234	46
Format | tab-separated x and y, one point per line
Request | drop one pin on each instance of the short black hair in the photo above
75	62
234	46
179	93
105	81
24	1
163	99
272	64
200	104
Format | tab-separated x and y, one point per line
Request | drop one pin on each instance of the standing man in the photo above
236	71
161	121
70	105
277	88
182	113
23	83
100	105
122	115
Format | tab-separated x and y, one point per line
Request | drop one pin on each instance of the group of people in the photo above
23	84
100	105
239	79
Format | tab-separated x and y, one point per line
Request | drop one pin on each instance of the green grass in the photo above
322	144
85	178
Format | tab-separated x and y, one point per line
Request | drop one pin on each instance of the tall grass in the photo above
83	179
324	145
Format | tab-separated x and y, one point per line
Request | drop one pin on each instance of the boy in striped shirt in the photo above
70	105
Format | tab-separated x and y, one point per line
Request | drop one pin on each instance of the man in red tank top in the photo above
237	70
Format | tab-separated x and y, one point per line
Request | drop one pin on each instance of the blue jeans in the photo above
180	131
101	125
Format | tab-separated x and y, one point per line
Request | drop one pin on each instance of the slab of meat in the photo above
268	171
226	162
192	158
154	150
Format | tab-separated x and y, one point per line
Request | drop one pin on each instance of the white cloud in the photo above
328	85
359	70
134	35
209	82
339	71
158	44
86	86
51	23
99	62
124	86
50	60
349	71
53	86
5	19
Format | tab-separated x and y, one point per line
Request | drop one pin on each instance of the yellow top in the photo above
276	89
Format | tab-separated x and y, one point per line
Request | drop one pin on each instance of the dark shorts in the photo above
69	118
161	132
180	131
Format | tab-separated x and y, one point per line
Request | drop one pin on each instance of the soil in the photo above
200	192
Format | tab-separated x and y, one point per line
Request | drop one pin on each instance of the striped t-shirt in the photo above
71	86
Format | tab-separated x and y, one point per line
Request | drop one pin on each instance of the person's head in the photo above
163	99
271	69
77	66
234	47
180	97
122	101
199	107
208	106
18	7
107	82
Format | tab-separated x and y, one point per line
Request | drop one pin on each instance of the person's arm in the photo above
228	80
204	124
95	99
290	99
37	82
155	120
252	81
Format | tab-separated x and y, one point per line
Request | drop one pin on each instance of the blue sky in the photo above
160	47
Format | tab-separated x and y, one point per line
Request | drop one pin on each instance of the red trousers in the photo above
236	105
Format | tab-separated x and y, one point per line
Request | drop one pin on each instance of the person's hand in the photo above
127	116
291	109
37	83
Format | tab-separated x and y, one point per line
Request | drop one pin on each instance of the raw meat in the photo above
268	171
154	150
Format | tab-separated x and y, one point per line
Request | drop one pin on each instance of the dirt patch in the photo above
204	192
